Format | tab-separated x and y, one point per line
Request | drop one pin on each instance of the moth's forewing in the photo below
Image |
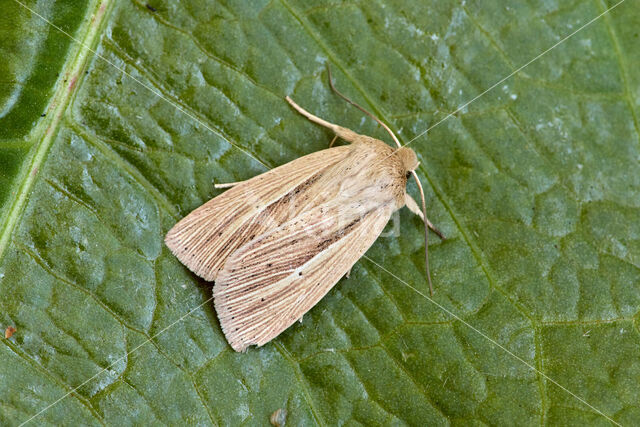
207	236
271	282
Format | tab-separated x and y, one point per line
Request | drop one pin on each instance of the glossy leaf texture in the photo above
108	140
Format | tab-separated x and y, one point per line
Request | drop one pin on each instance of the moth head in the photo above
408	158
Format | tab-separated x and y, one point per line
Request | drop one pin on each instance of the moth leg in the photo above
348	274
413	207
333	141
227	184
344	133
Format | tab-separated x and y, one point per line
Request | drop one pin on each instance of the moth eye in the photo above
408	175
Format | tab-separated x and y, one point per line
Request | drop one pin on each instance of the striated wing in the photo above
207	236
270	282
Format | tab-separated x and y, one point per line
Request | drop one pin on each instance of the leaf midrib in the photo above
72	75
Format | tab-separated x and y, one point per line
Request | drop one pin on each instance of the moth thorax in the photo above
408	158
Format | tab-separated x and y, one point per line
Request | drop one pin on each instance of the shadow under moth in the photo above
277	243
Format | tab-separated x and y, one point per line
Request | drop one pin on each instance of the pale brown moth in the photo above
277	243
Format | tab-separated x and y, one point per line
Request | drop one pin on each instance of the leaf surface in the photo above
108	140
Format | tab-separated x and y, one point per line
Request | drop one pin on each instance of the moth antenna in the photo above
426	231
361	108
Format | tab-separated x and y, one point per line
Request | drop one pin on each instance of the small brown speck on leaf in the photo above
278	418
8	333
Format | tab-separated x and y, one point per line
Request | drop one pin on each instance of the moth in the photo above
277	243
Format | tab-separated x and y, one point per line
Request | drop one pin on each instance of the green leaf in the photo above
108	140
